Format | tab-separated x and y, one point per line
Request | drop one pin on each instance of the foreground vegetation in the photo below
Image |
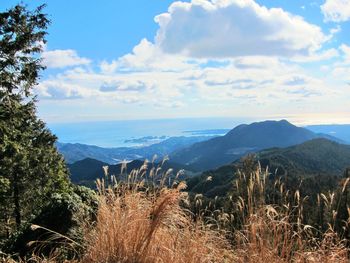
138	221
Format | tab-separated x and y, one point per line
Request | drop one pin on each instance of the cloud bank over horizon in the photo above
211	58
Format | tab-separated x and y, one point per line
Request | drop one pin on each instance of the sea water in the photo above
122	133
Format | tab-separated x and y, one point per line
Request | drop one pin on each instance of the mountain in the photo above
86	171
73	152
240	141
318	158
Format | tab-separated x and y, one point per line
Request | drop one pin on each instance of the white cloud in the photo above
336	10
341	69
61	90
145	57
327	54
243	86
342	73
259	77
230	28
346	51
63	58
113	86
224	57
335	30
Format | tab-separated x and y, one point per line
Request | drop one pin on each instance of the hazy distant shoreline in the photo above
140	132
134	133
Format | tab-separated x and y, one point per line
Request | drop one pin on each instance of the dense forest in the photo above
286	204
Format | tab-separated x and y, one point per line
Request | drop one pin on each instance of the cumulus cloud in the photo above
191	91
227	82
295	81
324	55
346	51
168	103
209	57
63	58
146	56
108	87
56	90
137	85
230	28
306	93
336	10
341	69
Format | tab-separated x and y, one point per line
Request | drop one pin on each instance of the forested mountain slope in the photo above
319	158
240	141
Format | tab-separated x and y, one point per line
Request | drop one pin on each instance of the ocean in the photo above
133	132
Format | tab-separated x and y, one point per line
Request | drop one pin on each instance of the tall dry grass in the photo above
143	224
274	232
140	224
144	221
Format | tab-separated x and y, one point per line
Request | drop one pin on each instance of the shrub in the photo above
59	228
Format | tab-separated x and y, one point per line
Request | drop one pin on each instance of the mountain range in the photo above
242	140
315	158
73	152
284	148
201	152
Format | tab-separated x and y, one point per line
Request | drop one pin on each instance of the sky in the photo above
152	59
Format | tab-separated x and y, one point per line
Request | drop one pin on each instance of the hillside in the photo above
85	172
73	152
240	141
319	158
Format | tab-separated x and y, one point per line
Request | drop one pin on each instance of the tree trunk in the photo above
17	211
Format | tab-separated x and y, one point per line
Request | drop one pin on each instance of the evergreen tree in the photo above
31	169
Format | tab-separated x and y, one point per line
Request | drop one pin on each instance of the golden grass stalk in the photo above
148	226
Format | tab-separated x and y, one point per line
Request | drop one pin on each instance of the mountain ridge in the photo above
86	171
76	151
240	141
315	158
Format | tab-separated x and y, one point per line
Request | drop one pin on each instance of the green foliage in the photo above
318	163
22	34
59	227
30	166
4	210
87	171
308	190
318	156
213	183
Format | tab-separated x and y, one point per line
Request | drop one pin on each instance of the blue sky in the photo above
145	59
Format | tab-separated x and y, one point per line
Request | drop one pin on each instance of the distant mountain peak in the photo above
268	128
285	121
242	140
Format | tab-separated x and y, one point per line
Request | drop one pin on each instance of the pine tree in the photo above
31	169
